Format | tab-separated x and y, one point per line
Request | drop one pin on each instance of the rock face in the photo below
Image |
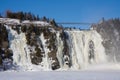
33	47
5	53
110	32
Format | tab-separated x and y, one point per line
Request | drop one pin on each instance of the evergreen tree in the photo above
8	14
0	15
38	17
44	19
53	23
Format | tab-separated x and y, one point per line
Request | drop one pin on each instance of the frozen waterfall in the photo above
84	48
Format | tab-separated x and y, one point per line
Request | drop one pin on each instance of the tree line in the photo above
27	16
23	16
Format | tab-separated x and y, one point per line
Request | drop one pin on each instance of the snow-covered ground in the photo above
17	21
96	72
61	75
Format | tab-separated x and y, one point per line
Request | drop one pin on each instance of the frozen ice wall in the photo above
75	50
85	48
17	43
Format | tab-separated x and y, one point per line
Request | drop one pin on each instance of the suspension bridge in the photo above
75	23
82	25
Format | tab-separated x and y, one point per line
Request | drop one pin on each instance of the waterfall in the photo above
83	48
17	42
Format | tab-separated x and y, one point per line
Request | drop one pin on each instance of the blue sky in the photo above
66	10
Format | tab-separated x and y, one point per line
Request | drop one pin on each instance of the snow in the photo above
64	75
26	22
42	23
17	21
9	21
109	71
38	23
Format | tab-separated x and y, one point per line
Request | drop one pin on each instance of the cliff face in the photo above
40	46
5	52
